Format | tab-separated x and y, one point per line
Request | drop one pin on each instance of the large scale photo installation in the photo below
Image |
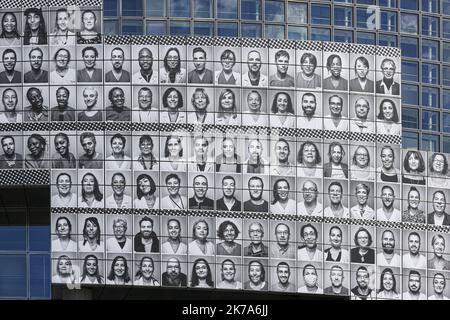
228	163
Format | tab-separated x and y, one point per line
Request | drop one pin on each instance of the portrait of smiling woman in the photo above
35	28
228	232
200	244
146	196
66	271
201	276
90	273
414	168
118	160
172	72
227	113
145	273
9	36
388	118
91	236
91	196
172	102
61	34
119	273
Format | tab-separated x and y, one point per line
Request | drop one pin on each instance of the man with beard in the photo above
228	202
335	252
281	203
90	73
199	200
388	257
414	286
256	203
282	166
254	77
388	212
438	261
254	116
146	240
310	206
10	159
362	253
62	112
145	112
118	199
283	274
65	197
117	111
62	158
336	168
255	162
256	248
282	248
439	284
439	217
120	242
337	279
9	101
145	75
90	96
309	107
36	158
360	123
173	277
281	78
117	74
362	210
336	207
174	245
362	291
413	259
201	161
307	78
10	75
335	121
309	250
387	85
200	74
36	74
256	276
91	159
311	280
36	111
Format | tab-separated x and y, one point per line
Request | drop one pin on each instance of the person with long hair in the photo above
282	109
66	271
309	160
281	203
172	72
228	232
118	160
256	277
119	273
172	101
174	157
88	35
35	32
228	160
91	196
174	244
91	236
61	35
438	171
91	271
200	102
227	113
201	276
388	285
63	231
63	158
200	244
414	168
9	36
361	168
388	118
145	273
145	193
146	160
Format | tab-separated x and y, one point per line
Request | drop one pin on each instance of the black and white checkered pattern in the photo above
91	126
389	139
389	224
201	213
255	215
144	126
285	132
336	220
91	210
7	127
283	217
117	39
89	3
21	177
118	126
309	45
34	4
11	4
118	211
434	228
414	226
227	42
36	126
170	127
172	41
200	41
366	137
310	133
144	40
304	218
228	214
336	47
388	51
63	126
364	222
335	135
282	44
362	49
254	43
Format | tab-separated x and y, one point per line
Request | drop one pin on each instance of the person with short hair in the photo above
311	280
361	123
9	60
146	239
65	197
256	203
145	75
91	113
388	85
414	286
64	241
117	74
88	34
283	272
10	159
439	284
388	212
146	159
336	121
412	213
438	171
173	277
255	162
201	161
200	201
282	248
438	216
388	257
36	74
36	111
90	159
361	168
362	210
413	258
62	112
9	35
336	208
256	248
309	161
118	160
257	277
173	244
228	276
227	75
89	73
362	253
63	158
228	202
361	83
172	72
337	279
200	74
174	200
335	81
282	111
146	195
254	76
281	78
63	73
309	119
36	159
282	166
200	245
362	291
253	115
310	206
307	78
120	242
9	101
438	262
336	252
387	171
145	112
117	111
118	199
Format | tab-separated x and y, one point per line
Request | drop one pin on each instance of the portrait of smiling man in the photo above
200	74
117	74
10	159
254	77
9	61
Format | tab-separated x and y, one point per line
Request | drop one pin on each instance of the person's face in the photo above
362	157
118	184
173	187
283	190
9	61
88	183
172	59
229	233
361	196
146	147
36	60
388	69
337	154
256	233
62	59
439	284
89	21
361	69
254	61
282	102
89	59
388	281
9	100
362	239
413	161
282	234
255	149
118	98
201	147
309	105
335	106
9	147
414	199
414	244
282	64
387	158
173	269
310	277
282	151
388	110
335	238
336	67
362	278
309	192
36	99
61	145
310	237
439	246
117	145
228	148
173	229
145	99
336	277
414	283
117	58
228	271
309	154
64	185
90	97
199	61
283	274
62	228
388	241
227	101
201	270
145	59
9	23
62	97
201	230
174	147
119	268
33	20
387	197
88	146
91	229
119	230
255	189
254	102
147	269
146	229
91	266
62	20
335	194
228	63
200	187
172	100
308	67
255	273
200	101
438	163
35	146
439	202
228	188
65	266
361	109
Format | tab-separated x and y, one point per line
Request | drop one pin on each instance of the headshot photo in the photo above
283	196
363	283
201	199
62	66
119	230
363	200
309	242
229	155
283	277
362	162
147	191
118	192
309	159
228	236
174	235
228	107
36	107
12	157
202	239
388	117
414	199
202	275
147	271
146	239
361	114
363	80
414	167
173	109
387	84
35	64
335	109
117	110
146	155
62	158
228	192
282	240
336	199
438	258
145	104
309	197
228	66
362	251
201	109
281	68
117	64
254	67
64	187
65	269
11	29
64	236
256	275
437	207
65	103
173	152
90	66
336	242
309	72
335	280
310	278
282	113
11	106
388	203
388	165
119	150
145	65
92	269
254	111
229	273
414	284
310	114
90	191
174	191
172	65
389	247
200	65
414	247
12	72
61	26
90	27
437	286
256	162
283	159
335	71
254	241
91	103
36	154
119	270
388	287
89	157
438	170
91	238
337	165
174	272
35	31
256	194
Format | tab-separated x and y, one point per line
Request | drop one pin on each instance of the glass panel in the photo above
297	12
410	118
409	23
388	21
365	38
40	276
251	9
388	3
132	8
319	34
132	27
320	14
430	97
13	276
410	94
251	30
446	99
203	8
13	229
227	29
155	8
446	52
410	47
343	16
430	142
110	8
274	31
446	29
179	8
410	71
368	2
274	11
297	33
430	26
387	40
430	50
430	73
111	27
430	6
39	229
204	29
409	4
430	120
227	9
446	76
410	140
156	28
179	28
343	36
364	19
446	144
446	7
446	122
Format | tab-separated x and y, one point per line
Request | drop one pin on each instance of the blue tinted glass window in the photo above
446	7
430	97
365	38
13	276
343	36
387	40
410	140
446	122
410	94
227	29
446	76
410	71
446	28
110	8
40	273
430	73
430	120
13	230
430	142
388	3
203	8
180	28
274	31
410	47
320	14
446	99
156	28
297	12
274	11
430	50
297	33
430	26
409	4
111	27
251	9
368	2
343	16
179	8
39	237
130	27
446	52
430	6
388	21
155	8
409	23
204	29
227	9
251	30
132	8
365	18
410	118
446	144
319	34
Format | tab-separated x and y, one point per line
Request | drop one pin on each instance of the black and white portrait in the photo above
173	150
281	67
309	159
256	238
309	70
202	237
257	153
62	65
229	154
362	200
388	111
90	190
363	282
175	235
414	243
389	202
200	65
255	107
146	233
12	104
35	64
11	26
414	167
438	256
90	24
89	103
229	237
118	189
91	233
282	240
362	243
309	239
388	76
336	279
336	243
362	165
117	64
146	154
362	110
283	276
174	190
437	286
257	276
254	67
36	101
91	150
335	112
388	283
35	29
438	170
12	65
90	63
414	284
147	190
228	107
438	210
282	200
201	191
388	163
65	268
256	193
309	110
13	148
361	73
147	269
37	150
173	105
389	247
335	71
118	146
200	105
145	65
229	273
119	99
310	277
92	267
119	269
174	270
228	192
64	233
172	64
414	204
63	146
61	27
336	199
202	272
282	152
227	66
119	231
336	160
201	154
282	109
309	197
63	103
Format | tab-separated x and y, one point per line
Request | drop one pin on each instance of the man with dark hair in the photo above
283	273
388	257
10	159
414	286
256	203
145	75
362	291
413	258
36	74
9	60
281	78
228	202
439	217
388	212
117	74
91	159
309	119
36	111
173	277
146	240
336	168
282	166
199	200
200	74
336	278
62	112
90	73
201	161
